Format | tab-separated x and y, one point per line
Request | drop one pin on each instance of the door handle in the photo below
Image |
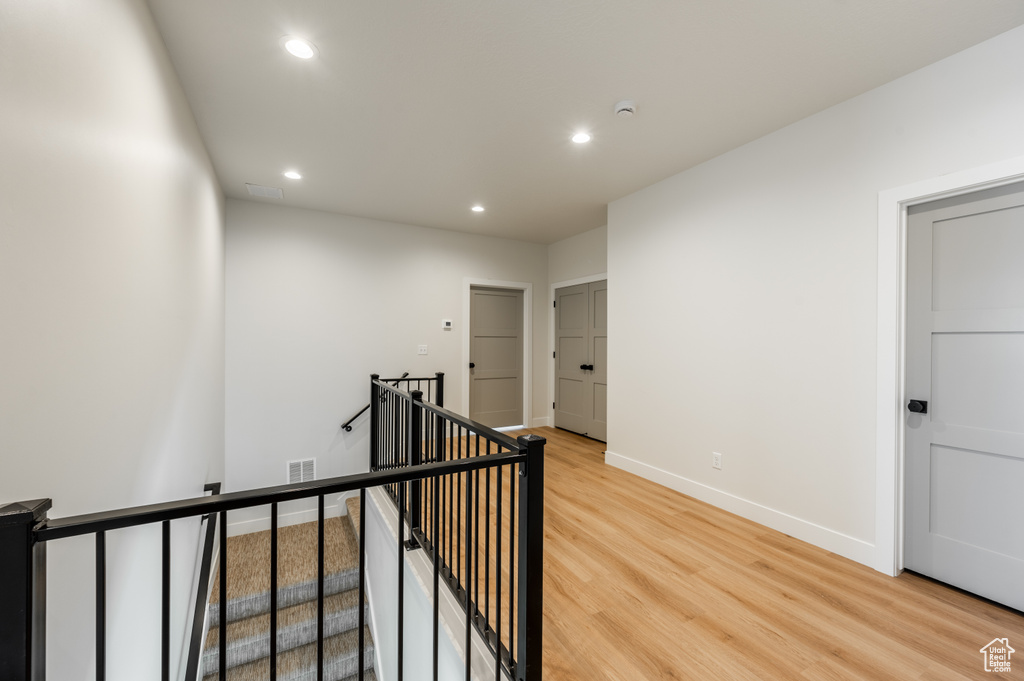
587	367
918	406
472	365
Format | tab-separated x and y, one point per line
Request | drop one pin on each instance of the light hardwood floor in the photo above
642	582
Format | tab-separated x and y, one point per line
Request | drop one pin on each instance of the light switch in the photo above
421	350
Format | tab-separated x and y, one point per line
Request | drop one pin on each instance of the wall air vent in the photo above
264	192
301	471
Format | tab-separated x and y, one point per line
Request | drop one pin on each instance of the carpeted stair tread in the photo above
249	640
297	564
248	585
341	661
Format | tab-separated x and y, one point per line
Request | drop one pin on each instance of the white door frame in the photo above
527	289
891	379
552	339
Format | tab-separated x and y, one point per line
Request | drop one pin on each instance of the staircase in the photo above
248	606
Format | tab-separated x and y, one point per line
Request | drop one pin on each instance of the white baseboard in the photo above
849	547
541	422
245	521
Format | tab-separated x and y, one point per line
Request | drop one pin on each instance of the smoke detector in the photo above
625	109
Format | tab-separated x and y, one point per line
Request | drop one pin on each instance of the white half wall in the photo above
418	606
319	301
111	296
744	305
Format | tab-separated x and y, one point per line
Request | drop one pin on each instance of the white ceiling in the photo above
415	110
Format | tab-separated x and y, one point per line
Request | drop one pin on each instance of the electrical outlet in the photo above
421	350
716	460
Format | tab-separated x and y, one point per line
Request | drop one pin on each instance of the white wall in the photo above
744	304
111	296
318	301
578	256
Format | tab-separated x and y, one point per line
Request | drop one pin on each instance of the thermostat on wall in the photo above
446	324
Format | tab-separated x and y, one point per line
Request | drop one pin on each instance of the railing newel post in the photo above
530	605
23	596
374	420
439	397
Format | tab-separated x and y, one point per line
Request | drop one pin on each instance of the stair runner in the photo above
248	606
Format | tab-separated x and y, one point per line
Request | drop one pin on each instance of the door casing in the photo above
891	392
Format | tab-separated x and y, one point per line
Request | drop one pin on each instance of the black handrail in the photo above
347	426
74	526
195	645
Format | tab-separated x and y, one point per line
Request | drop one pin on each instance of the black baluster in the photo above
451	499
497	576
273	591
437	569
401	581
101	605
476	529
469	581
165	624
223	631
362	580
374	422
512	560
487	546
458	513
320	589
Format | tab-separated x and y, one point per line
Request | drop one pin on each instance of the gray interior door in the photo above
597	385
572	318
581	351
496	356
964	465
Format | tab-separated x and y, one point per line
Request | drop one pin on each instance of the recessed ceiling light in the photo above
299	47
293	174
477	209
581	138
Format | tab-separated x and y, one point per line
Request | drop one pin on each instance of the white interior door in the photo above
496	356
964	454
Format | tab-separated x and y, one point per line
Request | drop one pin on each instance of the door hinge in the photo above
552	405
552	355
554	303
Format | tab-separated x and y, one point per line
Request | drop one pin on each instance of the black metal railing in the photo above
468	525
25	532
432	387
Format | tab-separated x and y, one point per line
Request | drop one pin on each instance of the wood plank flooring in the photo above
642	582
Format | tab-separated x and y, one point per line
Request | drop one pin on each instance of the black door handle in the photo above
918	406
472	365
587	367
